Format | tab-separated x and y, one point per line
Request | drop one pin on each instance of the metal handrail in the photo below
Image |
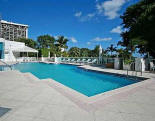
130	67
140	64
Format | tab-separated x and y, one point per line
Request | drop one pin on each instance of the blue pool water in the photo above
86	82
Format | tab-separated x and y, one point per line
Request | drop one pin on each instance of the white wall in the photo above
9	47
117	63
139	64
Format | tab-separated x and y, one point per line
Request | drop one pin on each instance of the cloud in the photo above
117	29
84	18
88	43
90	15
110	8
78	14
98	39
73	40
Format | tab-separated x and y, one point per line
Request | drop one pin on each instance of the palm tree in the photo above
61	43
111	49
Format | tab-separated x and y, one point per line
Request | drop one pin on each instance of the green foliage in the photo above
61	43
74	52
28	42
123	53
53	50
139	21
65	54
45	41
111	49
43	52
84	52
95	51
128	61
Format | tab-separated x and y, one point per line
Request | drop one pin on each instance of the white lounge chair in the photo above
78	60
63	60
72	60
68	60
93	61
82	61
88	60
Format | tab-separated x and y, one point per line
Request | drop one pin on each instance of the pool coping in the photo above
93	102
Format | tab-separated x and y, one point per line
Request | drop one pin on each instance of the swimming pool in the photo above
86	82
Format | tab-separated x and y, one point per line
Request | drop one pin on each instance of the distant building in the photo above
11	31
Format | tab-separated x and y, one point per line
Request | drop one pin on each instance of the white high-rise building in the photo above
12	31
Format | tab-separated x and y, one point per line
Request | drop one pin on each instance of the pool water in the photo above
86	82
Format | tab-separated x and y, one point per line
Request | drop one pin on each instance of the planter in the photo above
110	65
126	67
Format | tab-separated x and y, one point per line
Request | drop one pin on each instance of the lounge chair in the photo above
68	60
63	60
93	61
72	60
87	61
82	61
78	60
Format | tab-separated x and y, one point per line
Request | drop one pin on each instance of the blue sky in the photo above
85	22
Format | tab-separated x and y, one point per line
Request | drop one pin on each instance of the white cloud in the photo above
88	43
117	29
98	39
73	40
90	15
110	8
85	17
78	14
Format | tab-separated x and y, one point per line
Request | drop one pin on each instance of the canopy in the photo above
25	49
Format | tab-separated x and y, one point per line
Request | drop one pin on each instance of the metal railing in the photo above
134	72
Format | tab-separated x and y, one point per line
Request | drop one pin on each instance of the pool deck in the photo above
31	99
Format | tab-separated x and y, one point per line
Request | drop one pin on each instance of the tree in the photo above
123	53
28	42
45	41
111	49
84	52
61	43
139	22
74	52
95	51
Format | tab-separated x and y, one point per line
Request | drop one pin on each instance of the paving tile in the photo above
129	107
30	109
19	118
108	116
137	117
77	114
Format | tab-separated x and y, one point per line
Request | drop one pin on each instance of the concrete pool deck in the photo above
31	99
